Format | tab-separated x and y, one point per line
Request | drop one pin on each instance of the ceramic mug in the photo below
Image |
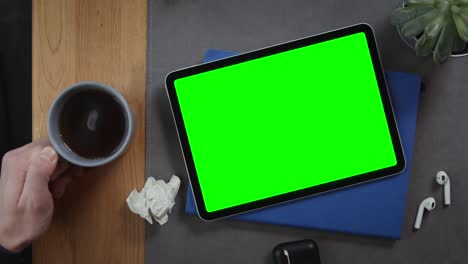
55	135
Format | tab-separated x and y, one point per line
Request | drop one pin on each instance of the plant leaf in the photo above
425	45
433	28
443	48
462	2
415	26
459	45
462	27
463	13
420	2
404	14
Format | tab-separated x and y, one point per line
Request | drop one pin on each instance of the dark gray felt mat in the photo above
179	33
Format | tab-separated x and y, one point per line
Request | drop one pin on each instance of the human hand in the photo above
31	176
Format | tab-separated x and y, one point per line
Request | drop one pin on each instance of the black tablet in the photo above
284	122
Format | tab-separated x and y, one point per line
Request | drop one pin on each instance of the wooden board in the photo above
105	41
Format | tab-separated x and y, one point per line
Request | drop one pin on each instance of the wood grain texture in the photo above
105	41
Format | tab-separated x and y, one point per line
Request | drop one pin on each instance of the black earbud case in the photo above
297	252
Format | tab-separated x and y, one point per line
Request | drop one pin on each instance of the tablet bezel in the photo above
365	177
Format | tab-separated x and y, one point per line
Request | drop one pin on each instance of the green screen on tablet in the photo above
285	122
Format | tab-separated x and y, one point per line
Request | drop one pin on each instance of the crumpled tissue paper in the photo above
155	200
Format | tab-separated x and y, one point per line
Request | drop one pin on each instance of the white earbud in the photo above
443	179
429	204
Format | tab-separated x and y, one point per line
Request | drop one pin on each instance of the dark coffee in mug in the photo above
92	124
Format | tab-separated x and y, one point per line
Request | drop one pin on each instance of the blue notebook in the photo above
376	208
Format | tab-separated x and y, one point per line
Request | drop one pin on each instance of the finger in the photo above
14	166
16	162
39	172
13	175
59	186
42	142
62	166
36	145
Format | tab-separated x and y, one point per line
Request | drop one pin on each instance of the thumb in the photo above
40	169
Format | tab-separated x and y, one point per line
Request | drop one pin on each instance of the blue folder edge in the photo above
373	209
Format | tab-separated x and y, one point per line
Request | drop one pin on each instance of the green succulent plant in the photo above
440	26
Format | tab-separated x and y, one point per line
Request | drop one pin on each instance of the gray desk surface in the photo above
180	31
